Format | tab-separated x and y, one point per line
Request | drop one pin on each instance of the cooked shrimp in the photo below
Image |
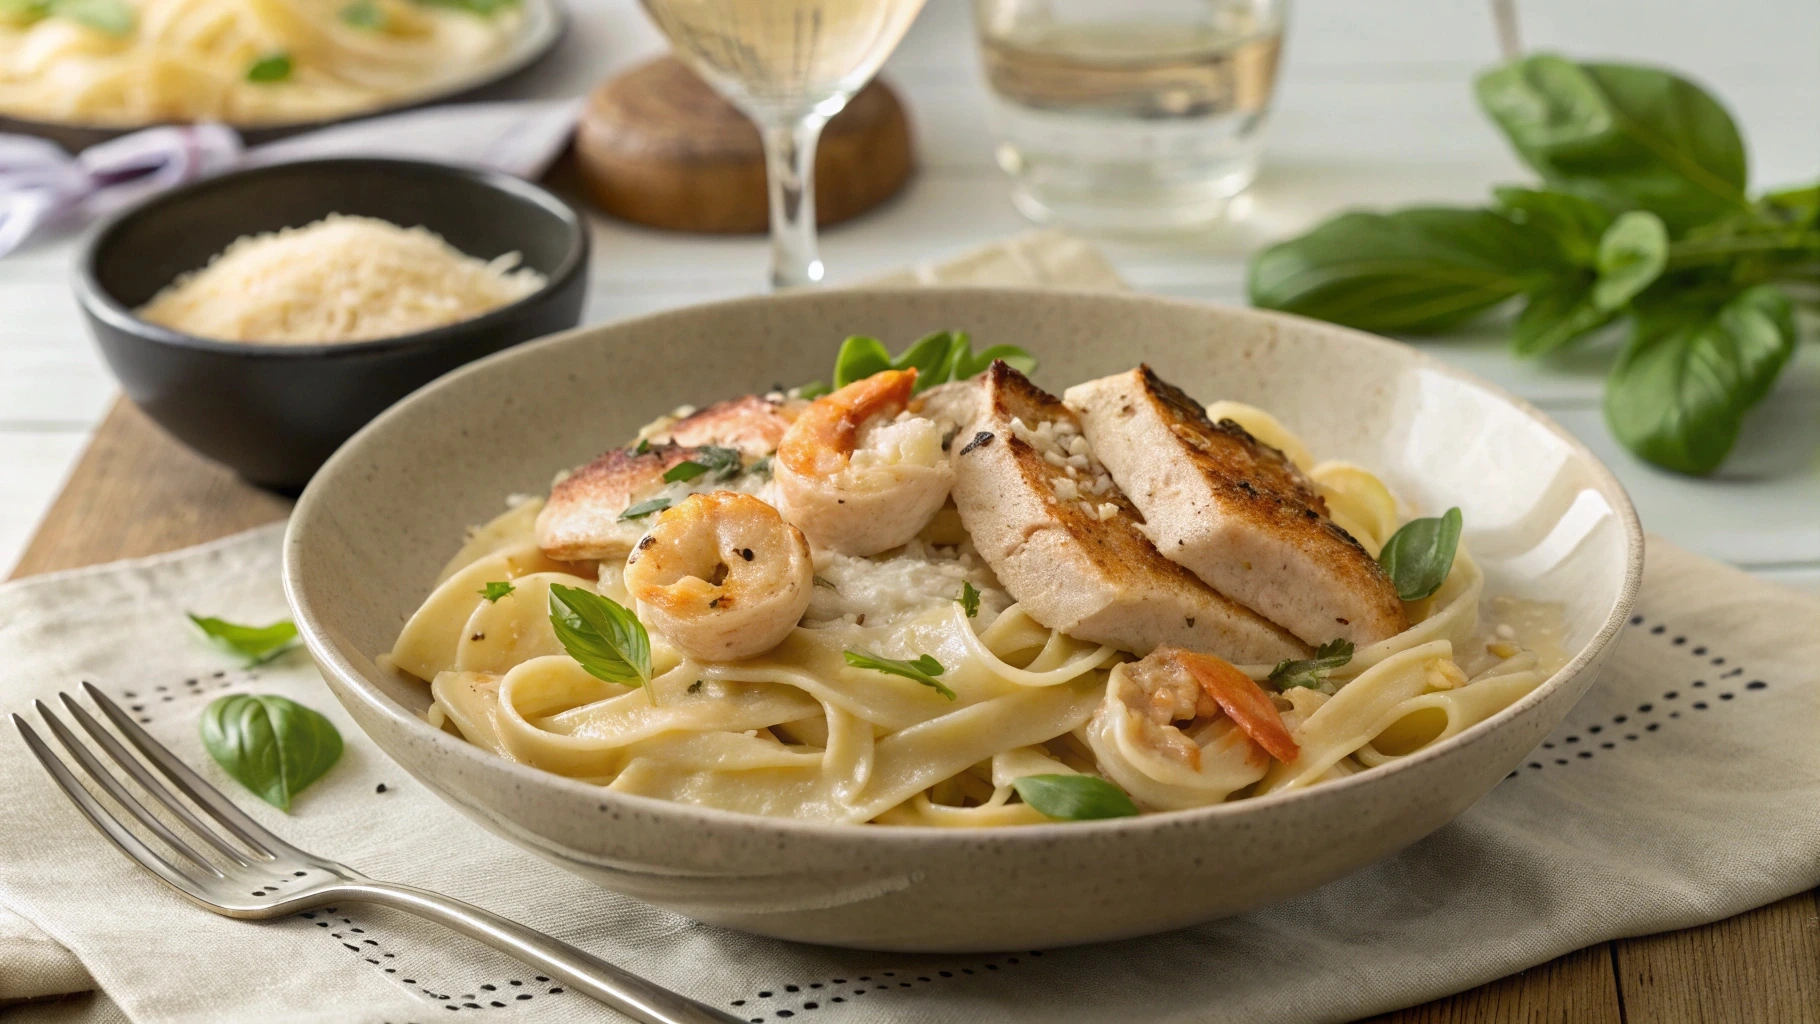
1178	730
1172	685
858	472
721	576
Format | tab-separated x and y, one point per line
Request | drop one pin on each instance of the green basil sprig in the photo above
1310	672
272	745
1641	216
602	635
1419	556
937	358
923	670
257	644
1074	797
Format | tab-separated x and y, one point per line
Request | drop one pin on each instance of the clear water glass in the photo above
789	65
1129	117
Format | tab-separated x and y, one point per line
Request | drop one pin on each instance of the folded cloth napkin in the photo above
1678	792
41	185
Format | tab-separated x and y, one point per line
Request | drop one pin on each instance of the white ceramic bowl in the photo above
1543	517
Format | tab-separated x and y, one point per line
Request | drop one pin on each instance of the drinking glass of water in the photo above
1139	116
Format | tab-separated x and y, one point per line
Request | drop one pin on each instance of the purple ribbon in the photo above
41	184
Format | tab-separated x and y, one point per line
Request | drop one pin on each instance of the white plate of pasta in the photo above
83	72
791	658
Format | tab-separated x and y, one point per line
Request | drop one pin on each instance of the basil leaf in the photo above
813	390
923	670
1074	797
1627	136
1014	357
608	641
1309	672
1419	556
932	357
969	599
257	644
1413	270
1796	207
644	508
1574	222
859	357
1632	253
272	746
1559	315
495	591
363	14
937	358
275	67
1692	369
108	17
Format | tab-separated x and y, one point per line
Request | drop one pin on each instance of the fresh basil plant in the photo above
1642	215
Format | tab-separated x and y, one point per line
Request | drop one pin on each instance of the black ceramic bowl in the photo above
274	412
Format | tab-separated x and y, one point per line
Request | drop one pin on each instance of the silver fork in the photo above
268	877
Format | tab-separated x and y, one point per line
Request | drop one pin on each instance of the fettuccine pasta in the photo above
124	63
799	731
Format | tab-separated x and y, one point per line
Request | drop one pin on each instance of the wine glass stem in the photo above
790	175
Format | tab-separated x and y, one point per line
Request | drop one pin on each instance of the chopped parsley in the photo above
1312	671
496	590
645	508
969	599
709	459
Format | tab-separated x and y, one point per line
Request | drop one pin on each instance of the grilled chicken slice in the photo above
1235	511
1065	542
582	518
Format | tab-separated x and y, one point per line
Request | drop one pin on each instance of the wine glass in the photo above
789	65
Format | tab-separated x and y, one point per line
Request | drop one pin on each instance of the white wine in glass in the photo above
789	65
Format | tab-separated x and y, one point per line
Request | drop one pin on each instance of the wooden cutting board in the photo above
656	146
138	492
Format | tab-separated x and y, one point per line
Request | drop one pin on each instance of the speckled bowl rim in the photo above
101	304
302	522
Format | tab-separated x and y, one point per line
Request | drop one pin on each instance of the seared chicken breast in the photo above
583	518
1066	542
1235	511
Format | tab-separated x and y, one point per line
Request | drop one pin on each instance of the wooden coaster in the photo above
657	146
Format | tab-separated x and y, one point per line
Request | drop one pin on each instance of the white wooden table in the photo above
1375	109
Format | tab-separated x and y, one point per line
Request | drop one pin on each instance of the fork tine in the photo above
113	788
150	784
192	785
128	843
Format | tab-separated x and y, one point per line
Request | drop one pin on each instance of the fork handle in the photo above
637	998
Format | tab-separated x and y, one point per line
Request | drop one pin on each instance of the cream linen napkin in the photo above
1678	792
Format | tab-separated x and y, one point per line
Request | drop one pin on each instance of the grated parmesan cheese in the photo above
340	279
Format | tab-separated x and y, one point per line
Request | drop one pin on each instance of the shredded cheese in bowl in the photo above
340	279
